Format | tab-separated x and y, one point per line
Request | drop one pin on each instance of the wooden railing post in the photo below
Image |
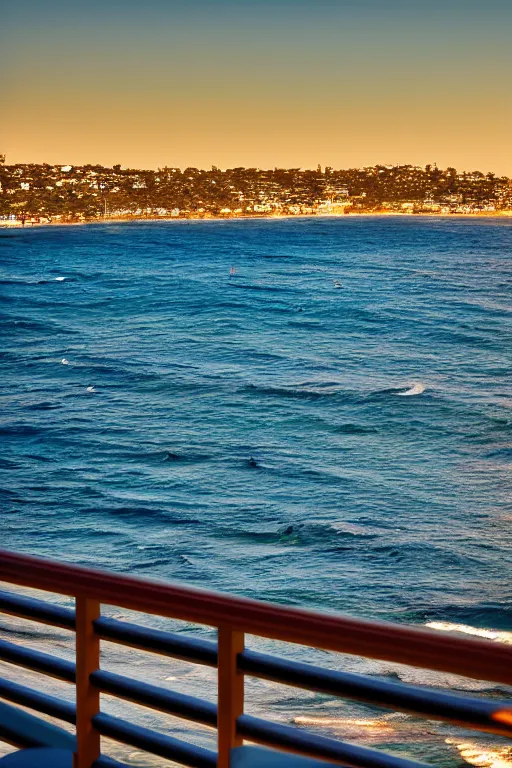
230	701
87	696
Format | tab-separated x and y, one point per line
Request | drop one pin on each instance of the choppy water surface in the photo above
268	433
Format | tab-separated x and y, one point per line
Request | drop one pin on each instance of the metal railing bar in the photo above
154	640
155	743
108	762
37	661
423	702
37	610
301	742
178	704
416	646
40	702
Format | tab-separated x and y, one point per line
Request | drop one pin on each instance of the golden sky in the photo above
259	83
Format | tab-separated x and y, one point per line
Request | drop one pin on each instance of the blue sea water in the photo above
267	433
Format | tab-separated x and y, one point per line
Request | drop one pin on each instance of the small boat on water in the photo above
337	284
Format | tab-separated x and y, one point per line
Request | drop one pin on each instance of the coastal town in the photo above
45	194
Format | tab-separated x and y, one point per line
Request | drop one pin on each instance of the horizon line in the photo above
214	167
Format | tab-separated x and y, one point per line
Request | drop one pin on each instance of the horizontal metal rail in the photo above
464	711
155	743
40	702
415	646
37	610
166	643
37	661
190	649
295	740
469	712
177	704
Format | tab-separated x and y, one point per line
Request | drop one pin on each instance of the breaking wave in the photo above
415	389
482	755
498	636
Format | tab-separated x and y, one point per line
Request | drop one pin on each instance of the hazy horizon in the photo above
258	84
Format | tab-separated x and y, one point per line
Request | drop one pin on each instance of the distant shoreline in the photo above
151	219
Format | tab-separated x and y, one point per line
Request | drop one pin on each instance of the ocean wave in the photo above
386	391
44	406
8	464
358	528
483	755
147	515
8	493
17	281
326	537
46	281
441	680
18	629
231	305
20	430
309	325
382	725
355	429
186	458
157	456
145	565
289	471
34	280
411	554
500	452
481	615
415	389
263	288
498	636
294	393
40	326
267	356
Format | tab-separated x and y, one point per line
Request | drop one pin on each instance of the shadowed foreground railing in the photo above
233	617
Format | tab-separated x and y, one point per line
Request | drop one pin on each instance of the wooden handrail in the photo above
415	646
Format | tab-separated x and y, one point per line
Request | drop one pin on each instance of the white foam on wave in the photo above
415	389
342	527
91	389
60	279
482	755
343	722
498	636
64	361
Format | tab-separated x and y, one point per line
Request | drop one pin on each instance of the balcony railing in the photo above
233	617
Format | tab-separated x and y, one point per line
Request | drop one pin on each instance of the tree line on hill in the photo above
92	191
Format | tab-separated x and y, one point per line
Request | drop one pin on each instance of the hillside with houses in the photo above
43	193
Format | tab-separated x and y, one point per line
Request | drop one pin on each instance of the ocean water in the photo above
269	434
